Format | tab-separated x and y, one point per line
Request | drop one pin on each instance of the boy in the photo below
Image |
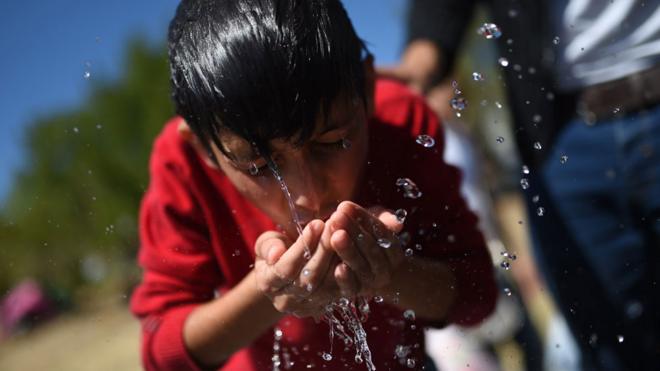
284	87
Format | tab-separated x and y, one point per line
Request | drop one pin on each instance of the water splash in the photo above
409	188
426	141
292	207
352	314
401	215
489	31
458	103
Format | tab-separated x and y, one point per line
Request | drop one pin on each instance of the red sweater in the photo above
197	238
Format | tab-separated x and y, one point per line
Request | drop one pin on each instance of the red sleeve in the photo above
180	271
440	220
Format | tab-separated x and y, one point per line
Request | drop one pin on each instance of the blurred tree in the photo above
71	216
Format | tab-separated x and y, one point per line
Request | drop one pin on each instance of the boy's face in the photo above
320	174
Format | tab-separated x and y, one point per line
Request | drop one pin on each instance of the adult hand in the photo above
419	68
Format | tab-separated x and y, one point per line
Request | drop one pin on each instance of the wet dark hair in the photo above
264	69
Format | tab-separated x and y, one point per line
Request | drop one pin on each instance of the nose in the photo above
307	185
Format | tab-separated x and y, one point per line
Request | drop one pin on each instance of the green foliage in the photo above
79	195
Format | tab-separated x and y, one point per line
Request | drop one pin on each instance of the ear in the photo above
369	83
187	134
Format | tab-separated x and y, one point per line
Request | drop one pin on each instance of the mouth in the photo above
306	219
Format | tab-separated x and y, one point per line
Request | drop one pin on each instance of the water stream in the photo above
344	317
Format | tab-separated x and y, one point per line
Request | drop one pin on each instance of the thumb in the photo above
270	246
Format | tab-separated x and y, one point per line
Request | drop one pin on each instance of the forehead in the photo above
339	115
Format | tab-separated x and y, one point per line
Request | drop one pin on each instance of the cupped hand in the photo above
366	242
294	283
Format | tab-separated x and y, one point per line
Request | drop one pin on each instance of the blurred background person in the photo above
582	81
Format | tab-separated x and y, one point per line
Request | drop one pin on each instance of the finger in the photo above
349	253
266	240
348	283
290	264
314	272
367	245
387	242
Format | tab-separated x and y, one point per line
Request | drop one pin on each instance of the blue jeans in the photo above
598	242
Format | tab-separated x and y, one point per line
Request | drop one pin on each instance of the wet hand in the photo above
366	242
294	283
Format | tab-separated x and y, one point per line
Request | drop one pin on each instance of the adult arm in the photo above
435	30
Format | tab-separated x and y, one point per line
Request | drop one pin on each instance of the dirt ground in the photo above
102	339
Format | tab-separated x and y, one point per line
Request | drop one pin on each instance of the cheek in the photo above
346	169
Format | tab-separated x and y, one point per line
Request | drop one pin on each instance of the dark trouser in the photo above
598	242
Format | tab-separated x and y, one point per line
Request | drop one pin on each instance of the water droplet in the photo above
401	351
345	143
540	211
425	140
87	75
476	76
620	338
513	13
327	357
409	188
458	103
507	255
503	62
99	126
401	215
507	291
634	309
378	299
410	362
556	40
524	183
537	118
409	314
254	170
593	340
306	272
537	146
404	238
418	247
535	199
76	130
525	169
498	105
499	139
489	31
409	252
506	265
616	110
563	159
384	243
